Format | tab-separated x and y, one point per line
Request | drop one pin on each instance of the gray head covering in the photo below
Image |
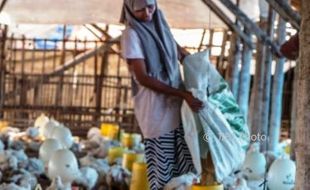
158	44
140	4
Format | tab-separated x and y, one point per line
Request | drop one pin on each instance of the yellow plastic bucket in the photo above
129	158
109	130
115	152
208	187
3	125
139	177
130	140
127	140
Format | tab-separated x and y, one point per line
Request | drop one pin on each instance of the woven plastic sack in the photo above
219	127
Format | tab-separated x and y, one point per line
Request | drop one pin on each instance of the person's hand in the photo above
184	53
194	103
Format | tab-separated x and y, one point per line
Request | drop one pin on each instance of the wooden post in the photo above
277	91
303	102
233	66
23	87
257	89
202	39
245	78
220	63
59	89
267	82
2	69
104	62
293	113
210	45
103	68
44	57
234	61
83	97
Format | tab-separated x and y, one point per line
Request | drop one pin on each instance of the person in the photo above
152	56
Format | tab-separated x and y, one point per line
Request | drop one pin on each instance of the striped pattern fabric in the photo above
167	157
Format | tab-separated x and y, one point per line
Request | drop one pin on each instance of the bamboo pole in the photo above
23	95
202	39
2	69
103	68
267	82
220	63
245	78
294	113
233	66
257	89
58	98
277	93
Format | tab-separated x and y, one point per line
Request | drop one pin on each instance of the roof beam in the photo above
286	12
94	33
251	26
2	5
104	32
232	26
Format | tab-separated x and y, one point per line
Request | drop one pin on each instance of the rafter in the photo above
251	26
2	5
232	26
286	12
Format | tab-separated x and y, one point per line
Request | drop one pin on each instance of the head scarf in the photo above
158	44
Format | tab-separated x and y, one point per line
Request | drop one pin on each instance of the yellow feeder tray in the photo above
129	158
109	130
208	187
115	152
139	177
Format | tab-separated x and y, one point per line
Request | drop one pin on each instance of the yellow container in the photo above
115	152
127	140
109	130
129	158
3	125
208	187
130	140
139	177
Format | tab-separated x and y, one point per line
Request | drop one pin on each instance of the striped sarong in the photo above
167	157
